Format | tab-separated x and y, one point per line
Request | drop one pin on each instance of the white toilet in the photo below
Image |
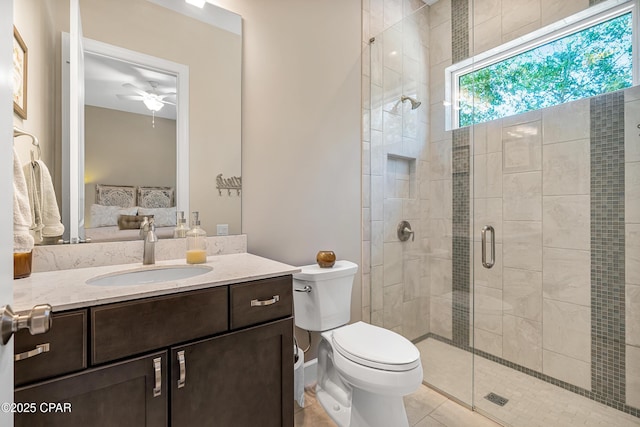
363	370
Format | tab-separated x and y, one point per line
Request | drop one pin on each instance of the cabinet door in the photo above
242	379
120	394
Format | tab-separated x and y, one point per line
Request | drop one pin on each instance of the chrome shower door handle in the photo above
485	263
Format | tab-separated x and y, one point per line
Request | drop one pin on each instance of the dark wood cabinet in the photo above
66	349
119	394
222	356
244	378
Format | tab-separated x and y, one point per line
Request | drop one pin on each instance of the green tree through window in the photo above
593	61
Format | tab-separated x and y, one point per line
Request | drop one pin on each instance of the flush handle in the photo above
38	321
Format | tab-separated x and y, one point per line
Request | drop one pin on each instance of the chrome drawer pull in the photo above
183	369
157	367
259	303
40	348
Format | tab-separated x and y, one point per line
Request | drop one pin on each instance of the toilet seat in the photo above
375	347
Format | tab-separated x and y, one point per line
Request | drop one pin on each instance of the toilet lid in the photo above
376	347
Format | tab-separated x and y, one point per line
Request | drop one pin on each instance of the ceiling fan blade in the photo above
164	95
167	102
130	97
135	89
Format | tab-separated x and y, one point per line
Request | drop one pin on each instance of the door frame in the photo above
6	200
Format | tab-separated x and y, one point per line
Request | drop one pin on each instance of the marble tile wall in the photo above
396	166
530	179
632	244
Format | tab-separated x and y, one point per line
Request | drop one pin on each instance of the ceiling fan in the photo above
153	100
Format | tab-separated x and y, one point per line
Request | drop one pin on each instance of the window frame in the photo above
589	17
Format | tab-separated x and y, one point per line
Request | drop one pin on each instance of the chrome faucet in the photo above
148	234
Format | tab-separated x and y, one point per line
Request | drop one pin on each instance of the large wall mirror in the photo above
162	111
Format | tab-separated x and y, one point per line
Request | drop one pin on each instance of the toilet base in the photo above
366	410
339	413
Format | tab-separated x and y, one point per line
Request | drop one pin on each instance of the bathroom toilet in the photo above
363	370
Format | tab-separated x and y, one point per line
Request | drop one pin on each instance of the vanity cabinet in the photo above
239	379
219	356
128	393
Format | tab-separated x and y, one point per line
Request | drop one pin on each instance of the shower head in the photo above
414	103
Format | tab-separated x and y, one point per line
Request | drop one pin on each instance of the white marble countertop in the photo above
67	289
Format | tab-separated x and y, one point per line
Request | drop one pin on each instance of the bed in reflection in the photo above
119	210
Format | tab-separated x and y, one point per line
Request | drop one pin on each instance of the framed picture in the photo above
19	75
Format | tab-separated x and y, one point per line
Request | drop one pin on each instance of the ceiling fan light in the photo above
153	104
198	3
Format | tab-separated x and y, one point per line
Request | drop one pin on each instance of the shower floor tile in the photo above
532	402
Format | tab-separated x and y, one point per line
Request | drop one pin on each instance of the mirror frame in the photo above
181	71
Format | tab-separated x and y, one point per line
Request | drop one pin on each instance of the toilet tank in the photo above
327	304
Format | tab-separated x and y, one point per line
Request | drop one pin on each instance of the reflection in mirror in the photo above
208	41
131	135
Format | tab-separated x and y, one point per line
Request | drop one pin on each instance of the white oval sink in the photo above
150	275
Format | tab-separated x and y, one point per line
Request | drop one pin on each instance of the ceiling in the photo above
104	79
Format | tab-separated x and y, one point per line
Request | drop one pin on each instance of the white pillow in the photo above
106	216
162	217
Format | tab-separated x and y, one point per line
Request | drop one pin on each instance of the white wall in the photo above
301	157
38	24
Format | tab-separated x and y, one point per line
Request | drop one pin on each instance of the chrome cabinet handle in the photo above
38	321
183	369
157	367
306	289
485	263
40	348
261	303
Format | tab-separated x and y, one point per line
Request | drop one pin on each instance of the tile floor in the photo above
532	402
425	408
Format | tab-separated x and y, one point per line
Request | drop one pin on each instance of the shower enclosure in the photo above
516	270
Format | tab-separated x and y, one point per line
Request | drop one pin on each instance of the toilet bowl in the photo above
363	370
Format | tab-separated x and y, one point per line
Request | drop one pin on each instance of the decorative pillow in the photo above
162	217
107	216
155	197
131	222
116	195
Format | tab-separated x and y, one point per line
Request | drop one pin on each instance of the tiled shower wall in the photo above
632	244
396	165
530	176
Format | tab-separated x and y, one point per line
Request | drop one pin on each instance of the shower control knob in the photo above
405	231
38	321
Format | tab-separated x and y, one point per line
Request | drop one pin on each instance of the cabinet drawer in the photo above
66	342
134	327
261	301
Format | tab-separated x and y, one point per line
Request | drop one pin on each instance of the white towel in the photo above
22	240
42	198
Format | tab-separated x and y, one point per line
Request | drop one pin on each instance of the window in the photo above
560	63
